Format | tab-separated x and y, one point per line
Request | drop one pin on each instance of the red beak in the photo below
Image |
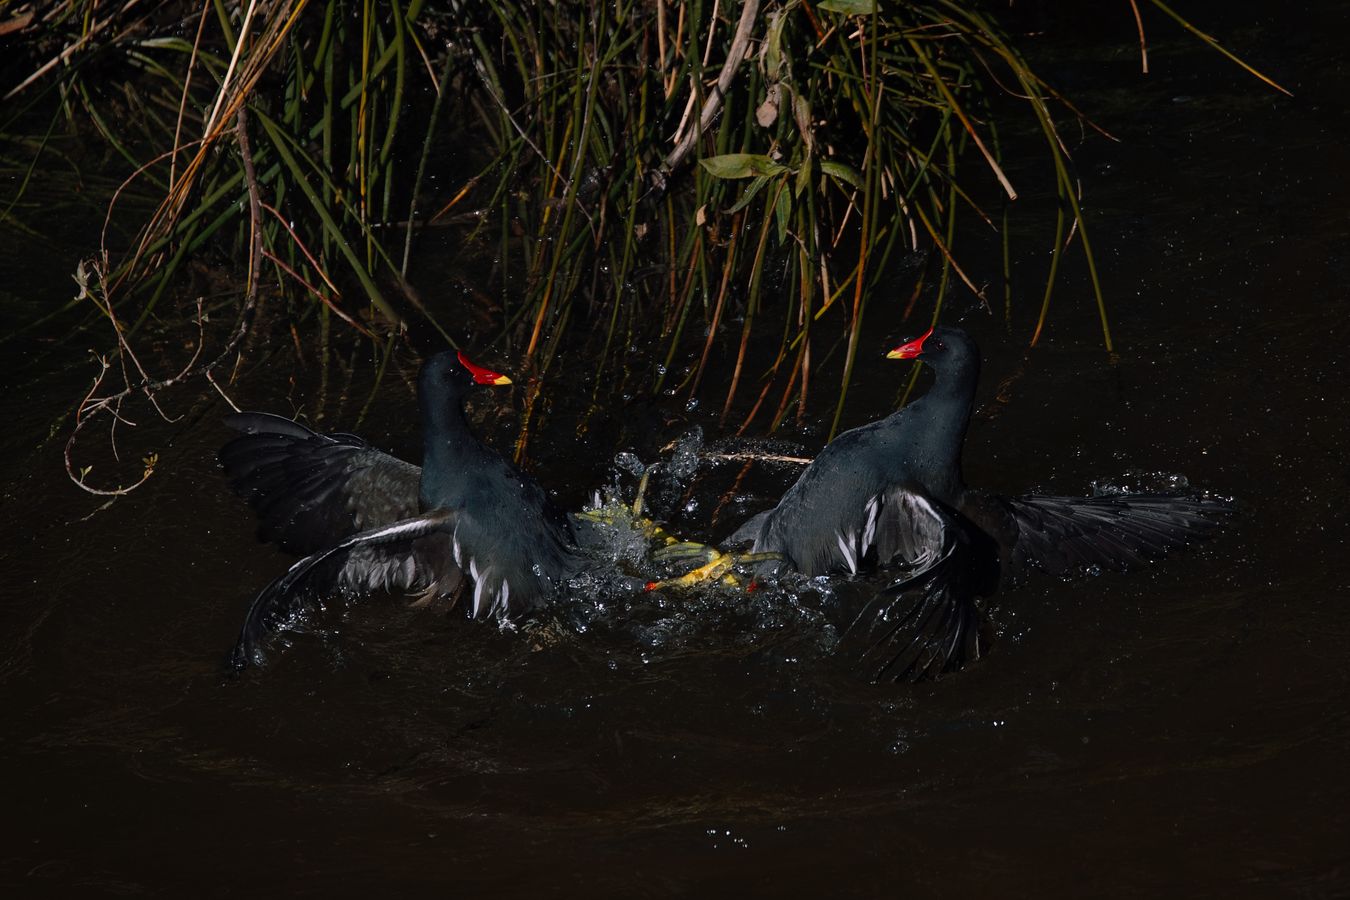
480	374
910	350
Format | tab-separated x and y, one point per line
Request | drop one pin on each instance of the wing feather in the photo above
312	490
1117	531
924	623
401	555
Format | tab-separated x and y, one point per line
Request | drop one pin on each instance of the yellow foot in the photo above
719	568
675	551
716	565
614	515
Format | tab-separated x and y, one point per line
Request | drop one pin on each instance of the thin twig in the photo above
187	86
531	144
740	44
69	51
94	286
255	241
759	457
239	43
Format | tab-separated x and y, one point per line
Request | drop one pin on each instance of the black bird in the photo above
891	493
467	519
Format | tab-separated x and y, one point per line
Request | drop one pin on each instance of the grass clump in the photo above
677	176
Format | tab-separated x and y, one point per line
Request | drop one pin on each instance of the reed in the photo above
643	172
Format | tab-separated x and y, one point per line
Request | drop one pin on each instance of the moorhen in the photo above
368	521
891	493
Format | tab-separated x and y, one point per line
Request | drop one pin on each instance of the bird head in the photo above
479	374
911	349
942	345
454	373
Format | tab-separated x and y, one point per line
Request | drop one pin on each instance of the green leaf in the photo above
803	176
774	57
741	165
749	193
783	211
801	111
841	172
850	7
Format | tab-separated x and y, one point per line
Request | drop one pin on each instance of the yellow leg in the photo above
718	569
717	565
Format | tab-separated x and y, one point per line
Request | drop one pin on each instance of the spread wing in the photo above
1059	534
312	490
925	622
410	554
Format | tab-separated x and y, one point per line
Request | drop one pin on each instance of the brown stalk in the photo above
756	266
721	302
740	44
1143	45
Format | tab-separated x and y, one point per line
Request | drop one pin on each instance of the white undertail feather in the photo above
930	554
872	510
851	548
846	547
477	597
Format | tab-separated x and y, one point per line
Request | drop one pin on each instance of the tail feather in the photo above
1114	532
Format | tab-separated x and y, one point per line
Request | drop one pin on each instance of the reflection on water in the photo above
1176	730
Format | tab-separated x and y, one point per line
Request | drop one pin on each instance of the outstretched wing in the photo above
1059	534
925	622
405	555
312	490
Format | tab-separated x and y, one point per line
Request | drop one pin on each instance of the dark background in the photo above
1175	732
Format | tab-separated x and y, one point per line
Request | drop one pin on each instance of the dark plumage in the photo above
466	520
891	493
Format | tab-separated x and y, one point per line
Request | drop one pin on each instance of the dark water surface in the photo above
1175	732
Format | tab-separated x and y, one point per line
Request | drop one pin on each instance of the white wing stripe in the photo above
406	528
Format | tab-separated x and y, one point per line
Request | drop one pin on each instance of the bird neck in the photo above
938	430
447	443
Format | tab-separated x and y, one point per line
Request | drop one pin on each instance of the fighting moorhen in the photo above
891	493
368	521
